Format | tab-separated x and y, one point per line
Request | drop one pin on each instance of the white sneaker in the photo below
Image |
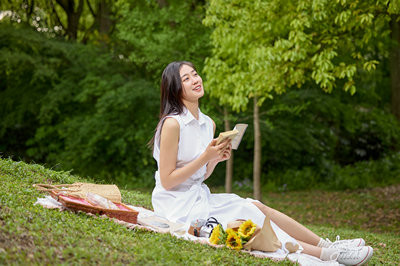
347	243
355	256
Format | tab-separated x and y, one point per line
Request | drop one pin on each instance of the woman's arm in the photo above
171	176
210	168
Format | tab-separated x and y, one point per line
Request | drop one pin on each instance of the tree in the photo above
231	73
90	108
267	47
332	42
395	61
79	20
159	32
229	163
73	12
74	105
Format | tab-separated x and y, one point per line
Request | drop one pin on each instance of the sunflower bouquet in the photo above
234	237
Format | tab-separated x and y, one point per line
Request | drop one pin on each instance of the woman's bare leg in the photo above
290	226
310	249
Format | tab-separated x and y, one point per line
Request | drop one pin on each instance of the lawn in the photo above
30	234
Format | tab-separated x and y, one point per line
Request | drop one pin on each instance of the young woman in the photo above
187	154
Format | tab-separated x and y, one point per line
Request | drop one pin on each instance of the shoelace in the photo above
339	242
337	239
350	254
345	254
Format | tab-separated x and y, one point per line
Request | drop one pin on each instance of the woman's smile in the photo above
198	88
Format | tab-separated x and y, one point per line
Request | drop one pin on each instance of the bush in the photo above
309	135
74	106
363	174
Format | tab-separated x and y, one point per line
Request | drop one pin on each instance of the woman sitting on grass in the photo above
187	154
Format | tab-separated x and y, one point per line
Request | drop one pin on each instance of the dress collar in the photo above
188	117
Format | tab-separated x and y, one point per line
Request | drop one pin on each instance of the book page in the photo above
236	141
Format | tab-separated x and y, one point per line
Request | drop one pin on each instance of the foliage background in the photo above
90	103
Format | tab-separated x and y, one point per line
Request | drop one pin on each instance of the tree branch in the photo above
90	8
55	12
80	8
64	4
31	7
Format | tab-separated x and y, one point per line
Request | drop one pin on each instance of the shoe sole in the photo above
367	257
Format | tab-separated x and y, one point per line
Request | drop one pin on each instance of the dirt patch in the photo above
4	212
23	242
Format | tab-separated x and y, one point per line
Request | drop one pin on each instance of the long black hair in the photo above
171	92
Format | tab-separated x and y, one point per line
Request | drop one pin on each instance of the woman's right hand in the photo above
214	151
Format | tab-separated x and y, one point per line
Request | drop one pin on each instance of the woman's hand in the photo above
226	153
222	155
216	152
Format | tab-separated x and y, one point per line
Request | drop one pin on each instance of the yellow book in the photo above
234	135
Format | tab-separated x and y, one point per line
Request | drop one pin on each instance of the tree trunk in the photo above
103	17
162	3
29	6
229	163
395	66
73	23
257	153
73	16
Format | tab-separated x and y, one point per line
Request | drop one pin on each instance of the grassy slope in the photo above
32	234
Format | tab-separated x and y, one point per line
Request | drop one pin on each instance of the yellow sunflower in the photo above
233	240
218	235
246	229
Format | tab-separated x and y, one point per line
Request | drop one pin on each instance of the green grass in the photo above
34	235
374	210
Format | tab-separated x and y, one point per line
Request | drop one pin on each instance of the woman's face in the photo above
192	84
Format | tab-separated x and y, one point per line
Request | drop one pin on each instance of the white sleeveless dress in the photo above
192	199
